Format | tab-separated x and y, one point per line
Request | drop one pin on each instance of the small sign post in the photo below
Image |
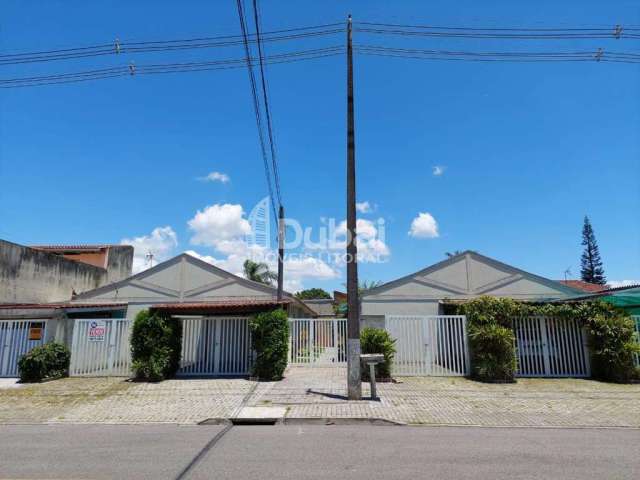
97	330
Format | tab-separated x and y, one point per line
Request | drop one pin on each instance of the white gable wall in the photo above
465	276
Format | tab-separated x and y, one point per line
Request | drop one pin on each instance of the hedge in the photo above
610	333
270	334
378	340
156	344
47	361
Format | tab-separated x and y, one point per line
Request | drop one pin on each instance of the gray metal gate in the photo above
551	347
100	347
18	337
215	346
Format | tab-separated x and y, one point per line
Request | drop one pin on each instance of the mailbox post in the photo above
372	359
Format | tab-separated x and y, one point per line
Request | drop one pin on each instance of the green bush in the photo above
156	343
491	338
378	340
493	357
47	361
613	345
270	334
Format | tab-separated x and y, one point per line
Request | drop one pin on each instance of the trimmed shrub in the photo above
378	340
47	361
270	334
493	356
613	345
156	344
491	339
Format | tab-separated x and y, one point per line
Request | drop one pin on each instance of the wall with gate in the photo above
550	347
432	345
318	341
18	337
215	346
100	347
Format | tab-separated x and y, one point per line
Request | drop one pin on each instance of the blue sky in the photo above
527	149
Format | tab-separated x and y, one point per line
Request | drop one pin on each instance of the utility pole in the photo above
354	382
280	251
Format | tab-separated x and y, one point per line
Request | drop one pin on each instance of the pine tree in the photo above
591	264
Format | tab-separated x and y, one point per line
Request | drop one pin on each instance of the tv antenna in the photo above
149	258
567	273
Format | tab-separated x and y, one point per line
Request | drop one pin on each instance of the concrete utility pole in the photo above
280	251
354	383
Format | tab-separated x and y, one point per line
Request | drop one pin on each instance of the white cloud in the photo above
371	248
424	226
364	207
160	243
216	177
220	226
438	170
622	283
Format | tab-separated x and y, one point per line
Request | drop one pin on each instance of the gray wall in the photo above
33	276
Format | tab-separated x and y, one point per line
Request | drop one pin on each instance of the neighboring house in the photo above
461	277
324	307
627	298
54	273
584	286
215	305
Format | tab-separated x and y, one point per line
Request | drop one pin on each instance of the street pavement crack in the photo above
202	453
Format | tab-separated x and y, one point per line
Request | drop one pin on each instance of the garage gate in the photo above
215	346
100	347
18	337
431	345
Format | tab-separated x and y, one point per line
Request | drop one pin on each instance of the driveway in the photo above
319	393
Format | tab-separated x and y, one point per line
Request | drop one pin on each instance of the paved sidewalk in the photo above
316	392
321	392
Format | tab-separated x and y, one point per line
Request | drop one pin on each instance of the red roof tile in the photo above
584	286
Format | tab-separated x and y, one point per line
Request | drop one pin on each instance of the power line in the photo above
118	47
256	104
570	56
265	98
151	69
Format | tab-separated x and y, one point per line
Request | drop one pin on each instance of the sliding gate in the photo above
18	337
550	347
215	346
433	345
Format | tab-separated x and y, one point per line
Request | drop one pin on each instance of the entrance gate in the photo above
18	337
550	347
100	347
215	346
432	345
318	341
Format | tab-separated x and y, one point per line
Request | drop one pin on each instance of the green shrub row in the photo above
47	361
610	330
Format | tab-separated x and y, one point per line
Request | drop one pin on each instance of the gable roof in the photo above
514	275
211	278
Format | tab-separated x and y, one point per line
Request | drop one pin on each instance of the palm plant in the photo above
258	272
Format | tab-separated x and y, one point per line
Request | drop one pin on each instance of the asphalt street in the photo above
315	452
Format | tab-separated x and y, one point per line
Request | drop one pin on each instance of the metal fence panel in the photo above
109	356
318	341
215	346
15	341
431	345
550	347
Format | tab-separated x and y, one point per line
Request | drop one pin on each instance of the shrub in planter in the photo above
378	340
47	361
270	334
156	343
613	345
